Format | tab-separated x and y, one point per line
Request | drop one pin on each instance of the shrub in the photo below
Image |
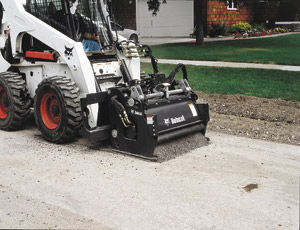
279	30
217	29
256	27
232	30
242	27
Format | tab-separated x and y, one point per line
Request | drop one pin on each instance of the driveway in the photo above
43	185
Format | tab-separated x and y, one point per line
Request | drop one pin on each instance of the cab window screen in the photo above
52	12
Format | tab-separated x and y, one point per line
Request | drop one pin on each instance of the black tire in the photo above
57	109
15	103
134	38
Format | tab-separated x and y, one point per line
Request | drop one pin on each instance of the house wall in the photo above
125	13
174	19
217	12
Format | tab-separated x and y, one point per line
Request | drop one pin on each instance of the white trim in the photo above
232	5
288	23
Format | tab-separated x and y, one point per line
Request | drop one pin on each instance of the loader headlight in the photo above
130	102
114	133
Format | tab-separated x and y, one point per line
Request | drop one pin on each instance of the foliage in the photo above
278	30
218	29
257	27
253	34
231	30
153	5
257	31
242	27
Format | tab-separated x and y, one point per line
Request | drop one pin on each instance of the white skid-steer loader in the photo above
100	94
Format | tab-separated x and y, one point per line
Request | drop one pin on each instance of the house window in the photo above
232	5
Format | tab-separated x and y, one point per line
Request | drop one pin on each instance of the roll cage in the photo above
56	13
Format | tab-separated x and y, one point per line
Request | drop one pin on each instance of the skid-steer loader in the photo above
100	94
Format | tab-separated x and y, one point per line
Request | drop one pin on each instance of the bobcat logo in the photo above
167	121
69	52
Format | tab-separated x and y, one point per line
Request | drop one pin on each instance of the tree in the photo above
154	5
199	18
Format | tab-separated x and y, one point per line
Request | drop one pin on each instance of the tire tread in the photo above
20	100
70	93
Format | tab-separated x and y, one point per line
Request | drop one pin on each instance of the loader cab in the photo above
59	14
53	12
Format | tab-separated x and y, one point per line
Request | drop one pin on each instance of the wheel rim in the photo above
50	111
4	106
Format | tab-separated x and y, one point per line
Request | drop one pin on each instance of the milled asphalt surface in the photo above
75	186
158	41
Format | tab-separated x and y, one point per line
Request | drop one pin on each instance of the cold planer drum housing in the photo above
138	121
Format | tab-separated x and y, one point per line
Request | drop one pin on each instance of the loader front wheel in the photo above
57	109
15	103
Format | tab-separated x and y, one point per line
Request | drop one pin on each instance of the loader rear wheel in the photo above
57	109
15	103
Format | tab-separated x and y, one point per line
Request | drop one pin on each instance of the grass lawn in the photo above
255	82
272	50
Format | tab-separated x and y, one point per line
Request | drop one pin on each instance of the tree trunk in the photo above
198	5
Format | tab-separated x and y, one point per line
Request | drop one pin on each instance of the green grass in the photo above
255	82
272	50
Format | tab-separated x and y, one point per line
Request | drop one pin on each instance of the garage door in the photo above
174	19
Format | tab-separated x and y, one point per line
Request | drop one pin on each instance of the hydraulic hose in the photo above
174	72
150	55
120	110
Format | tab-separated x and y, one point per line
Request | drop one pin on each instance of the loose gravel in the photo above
175	148
260	118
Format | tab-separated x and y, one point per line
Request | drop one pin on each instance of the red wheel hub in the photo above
4	106
50	111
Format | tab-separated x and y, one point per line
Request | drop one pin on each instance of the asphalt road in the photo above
75	186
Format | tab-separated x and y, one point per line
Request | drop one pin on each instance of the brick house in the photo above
176	18
230	14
